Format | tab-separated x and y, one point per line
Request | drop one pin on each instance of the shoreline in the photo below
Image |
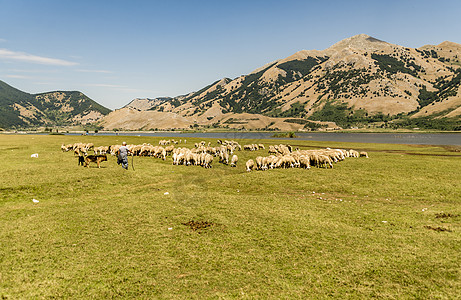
130	132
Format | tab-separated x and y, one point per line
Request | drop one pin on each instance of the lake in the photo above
385	138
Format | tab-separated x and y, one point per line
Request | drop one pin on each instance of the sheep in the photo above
353	153
207	161
224	157
234	160
265	163
272	150
325	161
249	165
169	149
89	146
80	150
304	162
364	154
259	162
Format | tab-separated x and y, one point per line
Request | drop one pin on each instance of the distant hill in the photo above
357	81
19	109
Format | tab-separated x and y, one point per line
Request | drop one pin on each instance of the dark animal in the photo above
81	160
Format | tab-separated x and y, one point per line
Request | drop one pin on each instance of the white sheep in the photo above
234	160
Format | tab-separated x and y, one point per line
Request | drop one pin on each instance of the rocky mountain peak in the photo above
361	42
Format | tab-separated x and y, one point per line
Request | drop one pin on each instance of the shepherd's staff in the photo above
132	161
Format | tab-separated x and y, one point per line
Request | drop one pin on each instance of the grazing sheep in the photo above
364	154
80	151
304	162
325	161
89	146
169	149
353	153
224	157
259	162
207	161
250	165
272	149
234	161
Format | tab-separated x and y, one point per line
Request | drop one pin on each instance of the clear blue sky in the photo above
114	51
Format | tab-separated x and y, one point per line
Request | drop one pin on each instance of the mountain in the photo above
146	103
19	109
356	81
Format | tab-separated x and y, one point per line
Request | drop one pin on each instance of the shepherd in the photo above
123	156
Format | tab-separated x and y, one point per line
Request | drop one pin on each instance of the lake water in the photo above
386	138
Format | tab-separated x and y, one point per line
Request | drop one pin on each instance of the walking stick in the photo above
132	161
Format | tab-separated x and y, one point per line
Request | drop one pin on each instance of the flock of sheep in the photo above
203	154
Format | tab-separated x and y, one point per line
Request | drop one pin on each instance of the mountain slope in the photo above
9	99
20	109
359	79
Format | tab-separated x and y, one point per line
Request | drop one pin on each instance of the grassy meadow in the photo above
385	227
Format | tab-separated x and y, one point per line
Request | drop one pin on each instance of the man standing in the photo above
123	156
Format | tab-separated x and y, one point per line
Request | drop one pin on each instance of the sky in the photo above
115	51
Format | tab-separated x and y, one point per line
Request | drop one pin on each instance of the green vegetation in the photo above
296	110
8	97
432	122
45	112
345	117
289	134
425	97
445	88
251	96
304	67
345	82
359	230
392	65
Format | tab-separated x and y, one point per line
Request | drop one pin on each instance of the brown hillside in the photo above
361	73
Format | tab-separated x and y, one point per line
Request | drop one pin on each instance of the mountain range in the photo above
355	82
19	109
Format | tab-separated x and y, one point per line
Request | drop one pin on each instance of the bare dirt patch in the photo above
199	226
438	229
452	148
445	215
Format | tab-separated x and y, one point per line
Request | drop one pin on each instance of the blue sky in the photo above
114	51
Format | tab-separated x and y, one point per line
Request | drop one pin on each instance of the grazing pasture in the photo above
388	226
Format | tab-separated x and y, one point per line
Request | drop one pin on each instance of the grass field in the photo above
385	227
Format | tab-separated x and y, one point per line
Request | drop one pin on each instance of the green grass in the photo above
104	233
